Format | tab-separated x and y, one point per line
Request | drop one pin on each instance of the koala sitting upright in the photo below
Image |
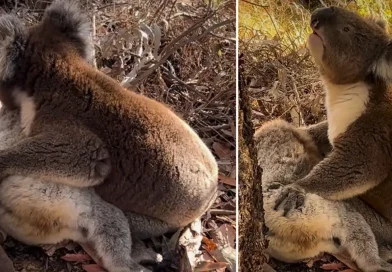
286	153
354	56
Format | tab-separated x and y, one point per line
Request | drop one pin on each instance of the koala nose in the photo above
320	16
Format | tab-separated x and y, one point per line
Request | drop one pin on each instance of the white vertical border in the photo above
236	138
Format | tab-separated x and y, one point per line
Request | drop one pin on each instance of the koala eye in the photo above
346	29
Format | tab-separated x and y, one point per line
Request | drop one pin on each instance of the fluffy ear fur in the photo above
13	35
66	17
383	67
378	21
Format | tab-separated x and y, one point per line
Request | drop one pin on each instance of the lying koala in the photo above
40	212
286	153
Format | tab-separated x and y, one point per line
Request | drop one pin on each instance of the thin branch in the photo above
265	9
221	212
173	46
254	4
112	4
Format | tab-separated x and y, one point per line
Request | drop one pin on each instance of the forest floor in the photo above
196	39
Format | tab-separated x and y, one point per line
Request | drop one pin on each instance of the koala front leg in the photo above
143	254
69	157
351	169
361	245
107	239
144	227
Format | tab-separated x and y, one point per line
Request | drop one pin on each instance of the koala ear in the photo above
378	21
382	68
381	23
13	36
66	17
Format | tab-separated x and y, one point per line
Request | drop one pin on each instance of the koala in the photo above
354	55
38	212
286	153
83	129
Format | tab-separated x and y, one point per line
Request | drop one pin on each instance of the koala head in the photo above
63	32
278	141
349	48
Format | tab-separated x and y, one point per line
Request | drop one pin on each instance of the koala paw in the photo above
291	197
384	266
100	165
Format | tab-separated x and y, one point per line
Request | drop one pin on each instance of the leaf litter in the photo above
181	53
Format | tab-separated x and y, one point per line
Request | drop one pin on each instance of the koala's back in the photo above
153	155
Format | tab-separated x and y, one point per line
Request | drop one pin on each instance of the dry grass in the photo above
282	78
192	72
279	73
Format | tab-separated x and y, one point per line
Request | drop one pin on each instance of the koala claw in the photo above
292	197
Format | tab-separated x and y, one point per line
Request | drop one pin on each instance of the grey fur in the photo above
83	129
80	128
41	212
12	42
287	154
353	55
65	17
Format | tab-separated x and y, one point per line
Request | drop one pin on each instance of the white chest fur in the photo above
27	111
345	104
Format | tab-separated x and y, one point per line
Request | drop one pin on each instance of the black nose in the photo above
320	16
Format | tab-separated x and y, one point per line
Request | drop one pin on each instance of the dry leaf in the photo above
223	151
268	268
185	264
50	249
227	232
76	257
227	180
209	244
233	128
191	240
209	266
229	255
93	268
295	116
